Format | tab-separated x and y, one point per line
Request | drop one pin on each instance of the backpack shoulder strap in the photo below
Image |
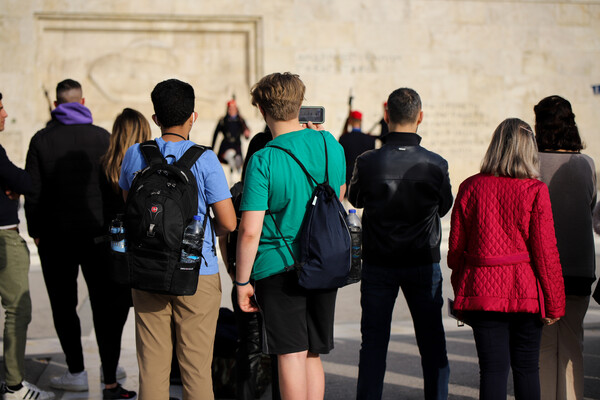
310	178
189	158
152	153
326	160
297	264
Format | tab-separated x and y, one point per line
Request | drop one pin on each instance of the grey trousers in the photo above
561	353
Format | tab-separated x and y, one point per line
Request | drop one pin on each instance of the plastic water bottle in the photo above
117	235
355	227
193	238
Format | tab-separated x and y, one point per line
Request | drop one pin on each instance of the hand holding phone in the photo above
316	127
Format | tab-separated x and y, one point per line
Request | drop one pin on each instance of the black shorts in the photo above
295	319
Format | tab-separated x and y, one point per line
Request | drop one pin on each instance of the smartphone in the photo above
314	114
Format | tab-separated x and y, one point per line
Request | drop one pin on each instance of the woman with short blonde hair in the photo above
506	273
512	152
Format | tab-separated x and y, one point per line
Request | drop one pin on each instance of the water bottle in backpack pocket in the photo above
355	227
117	235
118	268
193	239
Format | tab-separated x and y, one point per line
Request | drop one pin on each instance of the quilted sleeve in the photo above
457	241
545	258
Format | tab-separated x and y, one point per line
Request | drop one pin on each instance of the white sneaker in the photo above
121	374
71	382
28	391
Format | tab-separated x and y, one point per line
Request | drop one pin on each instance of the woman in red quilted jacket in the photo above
506	271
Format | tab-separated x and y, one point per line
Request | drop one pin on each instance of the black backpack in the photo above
325	244
161	202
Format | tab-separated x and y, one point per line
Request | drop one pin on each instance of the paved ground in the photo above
403	378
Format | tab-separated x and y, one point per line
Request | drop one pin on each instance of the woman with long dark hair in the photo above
571	180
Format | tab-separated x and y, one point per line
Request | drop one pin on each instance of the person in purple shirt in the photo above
14	279
64	215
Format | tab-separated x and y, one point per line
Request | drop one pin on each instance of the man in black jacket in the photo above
14	279
405	190
64	214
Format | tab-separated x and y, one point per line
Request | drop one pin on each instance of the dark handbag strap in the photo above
298	265
212	229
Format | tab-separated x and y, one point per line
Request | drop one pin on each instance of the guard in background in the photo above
232	126
355	142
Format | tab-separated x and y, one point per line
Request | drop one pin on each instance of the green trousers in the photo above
14	293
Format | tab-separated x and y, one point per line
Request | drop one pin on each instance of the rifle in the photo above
48	100
345	128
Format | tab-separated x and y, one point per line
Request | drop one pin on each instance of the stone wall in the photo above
473	62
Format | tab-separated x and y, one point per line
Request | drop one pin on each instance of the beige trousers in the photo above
191	322
561	353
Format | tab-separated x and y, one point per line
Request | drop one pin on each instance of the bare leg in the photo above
301	376
293	382
315	377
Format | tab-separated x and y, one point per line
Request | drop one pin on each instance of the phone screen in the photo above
314	114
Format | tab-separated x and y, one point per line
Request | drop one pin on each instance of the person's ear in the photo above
82	101
194	117
55	104
420	119
262	112
155	120
386	116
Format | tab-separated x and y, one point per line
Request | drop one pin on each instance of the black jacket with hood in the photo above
64	163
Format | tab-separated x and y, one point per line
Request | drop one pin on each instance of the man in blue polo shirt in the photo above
192	319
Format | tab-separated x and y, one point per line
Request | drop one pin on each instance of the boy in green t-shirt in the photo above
297	323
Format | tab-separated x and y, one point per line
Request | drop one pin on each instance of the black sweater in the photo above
16	180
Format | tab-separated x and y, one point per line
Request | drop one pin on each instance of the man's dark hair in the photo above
555	127
173	102
0	96
403	106
64	92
